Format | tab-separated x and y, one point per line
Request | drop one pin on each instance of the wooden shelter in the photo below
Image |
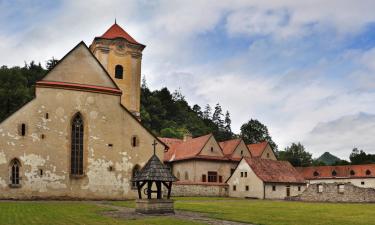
154	172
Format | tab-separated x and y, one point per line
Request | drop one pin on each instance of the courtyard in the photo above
188	211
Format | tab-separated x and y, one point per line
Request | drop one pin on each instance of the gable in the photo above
268	153
211	148
80	66
241	147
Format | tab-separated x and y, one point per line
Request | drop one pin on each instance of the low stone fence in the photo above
190	189
336	192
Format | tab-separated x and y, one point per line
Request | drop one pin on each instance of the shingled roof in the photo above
273	171
154	170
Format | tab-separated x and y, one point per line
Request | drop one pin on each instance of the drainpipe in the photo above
264	190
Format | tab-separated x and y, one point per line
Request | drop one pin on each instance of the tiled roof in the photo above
258	148
154	170
229	146
170	141
115	31
347	171
274	171
189	149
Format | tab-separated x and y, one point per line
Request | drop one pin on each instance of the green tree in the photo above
51	63
254	132
360	157
296	155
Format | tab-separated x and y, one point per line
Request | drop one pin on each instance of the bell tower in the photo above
121	56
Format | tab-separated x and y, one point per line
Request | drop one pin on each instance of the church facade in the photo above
80	137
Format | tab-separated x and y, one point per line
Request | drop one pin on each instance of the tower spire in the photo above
115	21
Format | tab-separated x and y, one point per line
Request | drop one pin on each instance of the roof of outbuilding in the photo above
345	171
258	148
115	31
229	146
273	171
179	149
155	170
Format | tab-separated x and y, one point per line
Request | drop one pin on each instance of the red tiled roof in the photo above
115	31
274	171
229	146
170	141
186	149
347	171
189	149
258	148
73	86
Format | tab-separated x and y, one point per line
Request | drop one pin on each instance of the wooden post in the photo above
169	190
139	190
149	187
158	188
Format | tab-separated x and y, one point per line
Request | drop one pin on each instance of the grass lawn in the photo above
277	212
64	213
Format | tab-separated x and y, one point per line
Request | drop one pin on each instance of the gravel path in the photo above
129	213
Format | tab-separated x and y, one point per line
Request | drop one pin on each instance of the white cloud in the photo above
272	79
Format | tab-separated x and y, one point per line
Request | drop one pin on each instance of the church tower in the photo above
121	56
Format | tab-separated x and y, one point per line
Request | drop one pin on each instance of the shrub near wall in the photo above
331	193
199	189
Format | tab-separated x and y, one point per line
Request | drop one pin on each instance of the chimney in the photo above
187	136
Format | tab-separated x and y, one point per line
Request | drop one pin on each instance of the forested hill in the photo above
169	115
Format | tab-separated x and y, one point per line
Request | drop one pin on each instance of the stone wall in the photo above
200	189
330	193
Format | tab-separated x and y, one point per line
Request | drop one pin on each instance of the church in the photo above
81	136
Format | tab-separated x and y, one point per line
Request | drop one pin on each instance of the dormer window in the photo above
368	172
316	174
334	173
352	173
119	72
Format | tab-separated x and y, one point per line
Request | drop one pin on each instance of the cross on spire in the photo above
154	144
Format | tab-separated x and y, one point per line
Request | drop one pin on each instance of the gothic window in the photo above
186	175
15	172
135	170
119	72
77	145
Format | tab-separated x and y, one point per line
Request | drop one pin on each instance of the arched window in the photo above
77	145
352	173
334	173
15	172
186	175
119	72
316	174
368	172
135	170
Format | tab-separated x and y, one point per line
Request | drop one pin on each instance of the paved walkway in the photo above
129	213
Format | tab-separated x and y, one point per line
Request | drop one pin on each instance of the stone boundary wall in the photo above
199	189
330	193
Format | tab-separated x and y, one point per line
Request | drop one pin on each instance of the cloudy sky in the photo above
306	70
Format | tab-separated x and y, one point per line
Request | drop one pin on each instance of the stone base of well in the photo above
154	206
